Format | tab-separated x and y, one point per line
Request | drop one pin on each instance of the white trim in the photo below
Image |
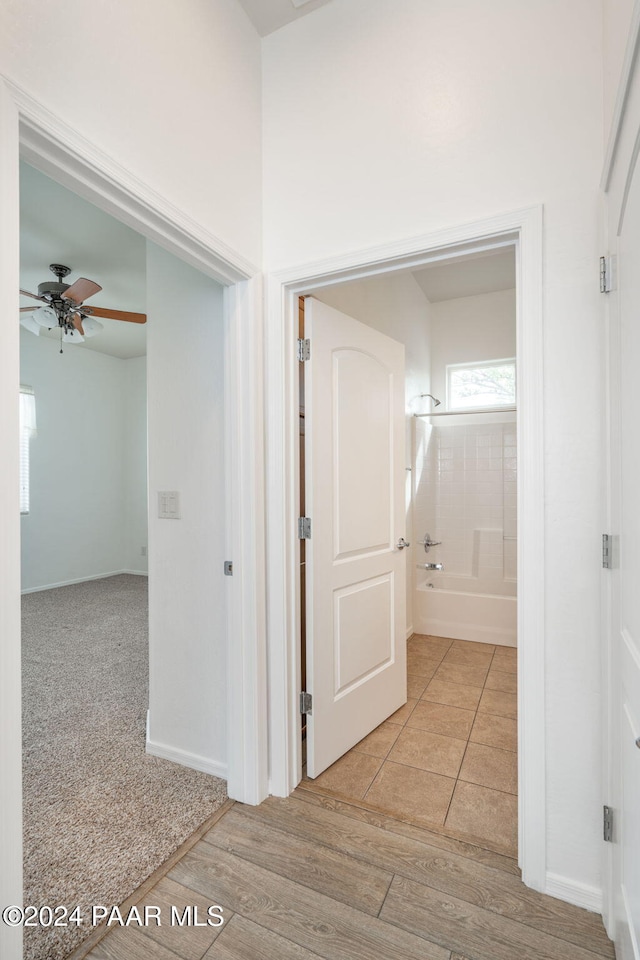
524	227
96	576
247	742
186	759
572	891
10	705
475	633
58	150
622	98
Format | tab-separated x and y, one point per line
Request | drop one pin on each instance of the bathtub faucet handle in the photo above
427	542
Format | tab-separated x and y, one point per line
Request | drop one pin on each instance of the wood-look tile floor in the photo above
447	759
314	877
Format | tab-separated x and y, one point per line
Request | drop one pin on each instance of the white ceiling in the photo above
56	226
270	15
468	276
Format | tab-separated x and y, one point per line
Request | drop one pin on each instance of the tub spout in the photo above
431	566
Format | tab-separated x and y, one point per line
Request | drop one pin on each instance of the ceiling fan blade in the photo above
34	296
81	290
28	309
117	315
77	322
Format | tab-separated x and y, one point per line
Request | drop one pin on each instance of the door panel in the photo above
363	631
355	596
362	396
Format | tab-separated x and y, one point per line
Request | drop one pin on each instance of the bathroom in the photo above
448	758
457	320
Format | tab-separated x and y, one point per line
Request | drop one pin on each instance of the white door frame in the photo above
524	228
31	131
621	158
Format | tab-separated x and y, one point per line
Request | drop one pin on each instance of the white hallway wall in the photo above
187	601
386	120
164	88
88	481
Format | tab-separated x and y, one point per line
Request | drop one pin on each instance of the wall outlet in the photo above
143	551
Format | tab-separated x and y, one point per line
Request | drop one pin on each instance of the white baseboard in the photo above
186	759
410	631
68	583
500	636
572	891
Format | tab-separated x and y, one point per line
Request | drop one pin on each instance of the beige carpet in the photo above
100	815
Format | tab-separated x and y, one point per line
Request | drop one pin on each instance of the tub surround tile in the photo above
495	731
454	694
429	751
443	719
490	767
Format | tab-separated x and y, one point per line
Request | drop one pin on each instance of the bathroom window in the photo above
489	383
27	431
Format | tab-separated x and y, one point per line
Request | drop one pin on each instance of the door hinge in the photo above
607	274
305	702
607	551
304	528
607	824
304	350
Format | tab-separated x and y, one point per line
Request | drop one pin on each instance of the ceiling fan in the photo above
63	307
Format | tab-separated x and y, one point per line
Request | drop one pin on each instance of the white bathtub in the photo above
465	616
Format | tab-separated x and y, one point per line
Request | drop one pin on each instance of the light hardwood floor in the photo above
316	877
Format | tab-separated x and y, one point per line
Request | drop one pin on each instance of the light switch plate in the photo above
168	505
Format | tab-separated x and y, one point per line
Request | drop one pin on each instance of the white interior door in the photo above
354	452
624	686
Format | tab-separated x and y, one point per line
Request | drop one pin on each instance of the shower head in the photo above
436	402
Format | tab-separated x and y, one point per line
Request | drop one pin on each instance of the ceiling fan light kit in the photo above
63	307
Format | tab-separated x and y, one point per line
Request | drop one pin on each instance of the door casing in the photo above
523	229
620	162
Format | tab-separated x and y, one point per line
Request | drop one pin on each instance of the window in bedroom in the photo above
27	431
